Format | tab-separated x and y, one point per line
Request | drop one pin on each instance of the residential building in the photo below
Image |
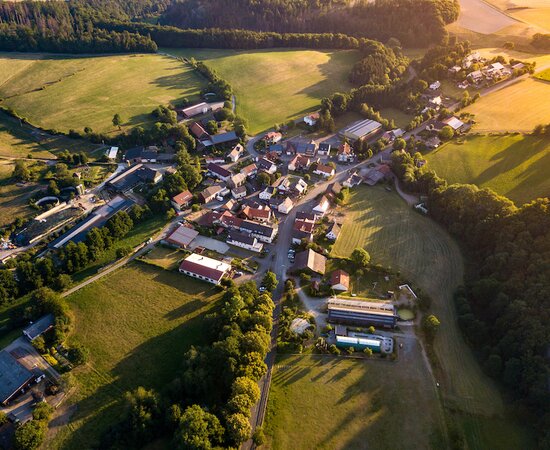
352	181
455	123
182	236
324	170
360	312
322	207
267	193
333	189
333	231
182	200
214	159
362	129
218	172
237	180
435	85
264	233
303	229
229	205
14	377
266	165
238	192
324	149
455	69
246	241
257	214
311	261
38	328
236	153
311	119
283	184
301	148
307	216
250	171
198	131
204	268
210	193
272	137
475	77
299	162
339	280
345	153
286	206
298	186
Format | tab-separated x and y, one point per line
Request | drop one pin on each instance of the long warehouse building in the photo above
359	312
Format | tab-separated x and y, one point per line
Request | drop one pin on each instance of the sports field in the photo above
324	402
137	323
273	86
518	107
398	237
56	92
516	166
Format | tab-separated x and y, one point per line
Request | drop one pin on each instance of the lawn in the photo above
13	198
398	237
137	323
518	107
272	86
166	258
516	166
544	75
401	119
88	91
324	402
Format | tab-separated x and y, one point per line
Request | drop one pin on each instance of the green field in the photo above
273	86
13	199
88	91
398	237
518	107
516	166
137	323
401	119
324	402
544	75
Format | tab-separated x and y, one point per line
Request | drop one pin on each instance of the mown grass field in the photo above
137	323
88	91
518	107
544	75
516	166
273	86
324	402
13	199
398	237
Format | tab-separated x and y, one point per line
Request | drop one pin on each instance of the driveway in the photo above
27	355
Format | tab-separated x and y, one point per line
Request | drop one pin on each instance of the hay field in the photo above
137	323
273	86
478	16
63	93
516	166
518	107
544	75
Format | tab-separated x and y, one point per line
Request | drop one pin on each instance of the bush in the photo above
259	436
79	354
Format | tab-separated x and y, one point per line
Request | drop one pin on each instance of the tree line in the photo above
504	307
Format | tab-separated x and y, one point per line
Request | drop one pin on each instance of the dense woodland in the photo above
383	19
504	308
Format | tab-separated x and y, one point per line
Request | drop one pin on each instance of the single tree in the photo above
117	121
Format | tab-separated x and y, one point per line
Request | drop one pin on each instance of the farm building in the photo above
111	153
222	138
362	129
14	377
182	236
361	312
358	344
38	328
198	131
339	280
133	177
204	268
195	110
308	260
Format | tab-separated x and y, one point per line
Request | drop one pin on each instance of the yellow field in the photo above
519	107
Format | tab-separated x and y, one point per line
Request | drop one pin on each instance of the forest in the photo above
504	307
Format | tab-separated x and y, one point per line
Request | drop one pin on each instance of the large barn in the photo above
362	129
360	312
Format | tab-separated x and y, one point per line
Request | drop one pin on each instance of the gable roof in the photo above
334	228
311	260
224	137
39	327
339	277
182	198
324	168
13	376
218	170
197	130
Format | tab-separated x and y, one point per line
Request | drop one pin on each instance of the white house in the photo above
267	166
236	153
286	206
111	153
435	85
299	162
299	186
246	241
333	231
267	193
322	207
345	153
238	192
311	119
324	170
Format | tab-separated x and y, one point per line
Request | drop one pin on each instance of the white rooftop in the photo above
205	261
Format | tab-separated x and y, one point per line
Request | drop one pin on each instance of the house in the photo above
204	268
198	131
277	148
377	174
236	153
339	280
245	241
286	206
454	70
435	85
182	200
432	142
14	377
264	233
455	123
463	84
303	229
267	193
111	153
238	192
324	170
237	180
259	215
283	184
210	193
435	102
475	77
362	129
214	159
38	328
250	171
272	156
307	216
322	207
360	312
272	137
333	231
218	172
266	165
182	237
224	138
311	261
333	189
301	148
195	110
311	119
324	149
229	205
299	162
345	153
352	181
298	186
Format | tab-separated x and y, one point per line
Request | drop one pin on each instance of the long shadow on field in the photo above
153	365
535	175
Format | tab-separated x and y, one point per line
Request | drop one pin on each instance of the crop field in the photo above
273	86
137	323
325	402
518	107
13	198
478	16
88	91
544	75
398	237
516	166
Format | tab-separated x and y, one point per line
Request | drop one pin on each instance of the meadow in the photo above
325	402
544	75
514	165
518	107
273	86
137	323
88	91
13	198
400	238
